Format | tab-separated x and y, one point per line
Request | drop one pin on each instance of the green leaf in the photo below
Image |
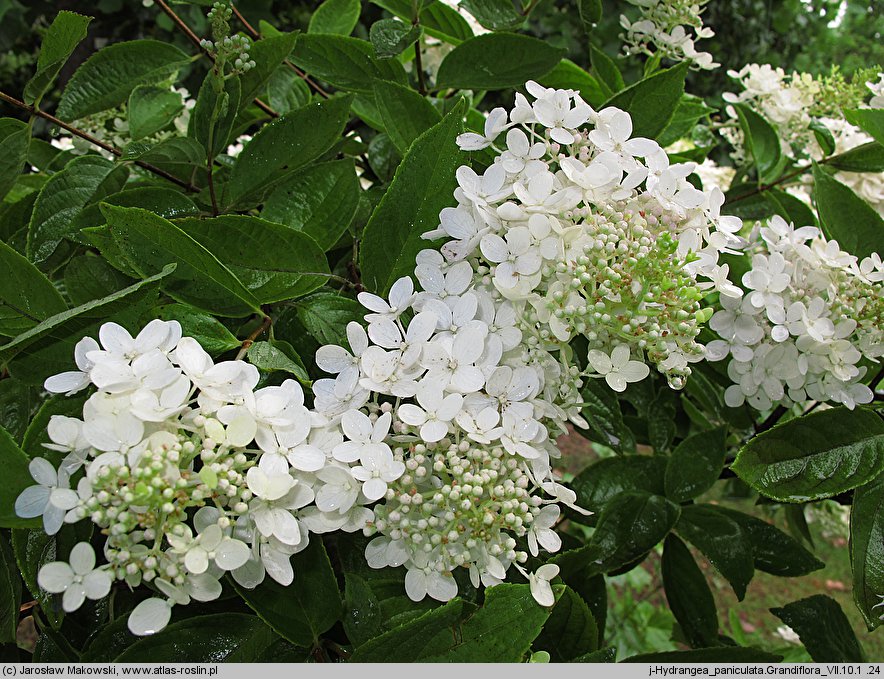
602	412
406	114
383	157
268	358
590	12
495	15
16	478
26	295
630	526
719	654
160	200
18	402
415	641
761	141
570	631
150	243
363	618
868	157
606	71
320	200
61	327
790	208
10	593
652	102
695	465
179	156
347	63
690	111
85	180
722	541
867	550
286	90
438	20
507	59
223	637
108	76
285	145
212	335
774	551
869	119
823	137
326	315
335	16
305	609
65	32
16	139
273	261
214	115
688	594
603	655
815	456
391	37
421	187
823	629
269	53
151	108
569	76
502	630
600	482
845	216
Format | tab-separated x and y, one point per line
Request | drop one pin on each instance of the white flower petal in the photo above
149	617
55	577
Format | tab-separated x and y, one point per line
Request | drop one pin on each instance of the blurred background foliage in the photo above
805	35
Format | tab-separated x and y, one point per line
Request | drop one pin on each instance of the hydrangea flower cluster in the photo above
449	420
588	232
810	314
793	104
187	469
665	27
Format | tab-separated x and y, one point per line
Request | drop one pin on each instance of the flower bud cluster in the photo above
665	28
226	48
458	505
811	313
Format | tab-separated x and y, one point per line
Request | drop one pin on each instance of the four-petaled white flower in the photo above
435	412
78	580
51	498
377	468
539	581
617	369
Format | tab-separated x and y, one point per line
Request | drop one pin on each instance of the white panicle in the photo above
811	313
167	431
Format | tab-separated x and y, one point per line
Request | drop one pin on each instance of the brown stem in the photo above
256	333
764	187
418	66
95	142
772	419
178	21
257	36
527	10
209	167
